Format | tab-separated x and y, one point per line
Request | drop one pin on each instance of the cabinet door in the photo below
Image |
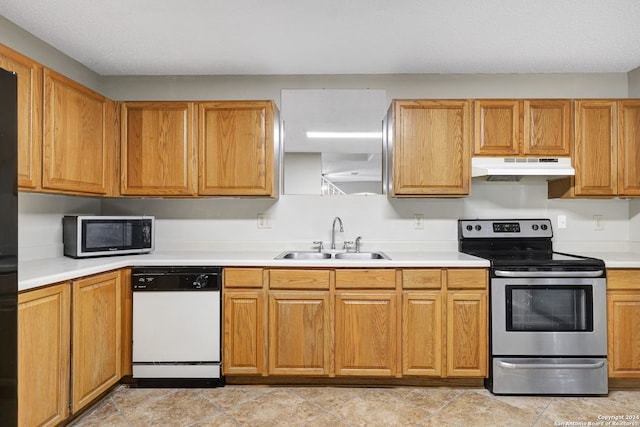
29	115
430	148
596	148
497	127
467	334
158	151
299	333
623	326
96	320
43	356
422	333
629	147
243	332
77	149
366	333
236	148
547	128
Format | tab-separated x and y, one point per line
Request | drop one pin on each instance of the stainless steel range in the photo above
548	310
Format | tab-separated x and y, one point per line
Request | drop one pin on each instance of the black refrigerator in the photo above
8	248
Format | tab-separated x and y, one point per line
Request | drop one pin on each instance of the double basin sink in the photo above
309	255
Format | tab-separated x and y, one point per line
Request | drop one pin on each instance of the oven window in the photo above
101	235
549	308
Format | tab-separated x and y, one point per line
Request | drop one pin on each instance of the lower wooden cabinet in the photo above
366	333
467	334
44	353
383	322
96	308
299	333
422	344
623	323
243	332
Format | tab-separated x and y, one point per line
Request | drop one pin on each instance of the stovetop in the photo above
518	244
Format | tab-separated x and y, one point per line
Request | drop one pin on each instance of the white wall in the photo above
296	221
40	222
634	83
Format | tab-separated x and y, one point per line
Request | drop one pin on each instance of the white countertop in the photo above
32	274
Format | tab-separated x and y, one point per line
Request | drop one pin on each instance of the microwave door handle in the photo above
508	365
571	274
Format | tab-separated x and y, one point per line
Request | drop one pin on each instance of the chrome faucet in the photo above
333	231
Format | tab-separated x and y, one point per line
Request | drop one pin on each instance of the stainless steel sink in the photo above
361	255
303	255
306	255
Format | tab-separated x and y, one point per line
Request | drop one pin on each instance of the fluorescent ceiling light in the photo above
352	135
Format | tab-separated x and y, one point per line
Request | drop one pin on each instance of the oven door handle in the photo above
571	274
509	365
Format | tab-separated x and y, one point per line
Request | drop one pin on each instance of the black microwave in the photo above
91	235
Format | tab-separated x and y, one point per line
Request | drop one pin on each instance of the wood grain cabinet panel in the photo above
629	147
244	332
429	148
467	334
29	75
78	142
523	127
299	333
44	353
96	320
497	127
373	278
237	141
299	279
596	160
158	152
623	323
422	333
366	333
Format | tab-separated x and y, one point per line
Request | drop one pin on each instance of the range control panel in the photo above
504	228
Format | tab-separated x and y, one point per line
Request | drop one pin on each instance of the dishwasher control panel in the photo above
176	279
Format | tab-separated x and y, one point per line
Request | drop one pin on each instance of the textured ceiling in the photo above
190	37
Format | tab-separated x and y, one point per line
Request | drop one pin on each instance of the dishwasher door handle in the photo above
563	274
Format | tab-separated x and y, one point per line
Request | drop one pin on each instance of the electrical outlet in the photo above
418	221
562	221
264	220
598	222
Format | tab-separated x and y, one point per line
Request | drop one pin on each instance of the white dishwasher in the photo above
177	326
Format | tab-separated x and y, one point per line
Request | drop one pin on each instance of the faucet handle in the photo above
346	245
320	245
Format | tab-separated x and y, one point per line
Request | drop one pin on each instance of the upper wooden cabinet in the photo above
29	75
530	127
629	147
607	150
158	152
238	142
79	143
428	148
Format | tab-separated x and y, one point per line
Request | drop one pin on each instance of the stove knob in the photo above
534	226
200	282
478	227
544	226
469	227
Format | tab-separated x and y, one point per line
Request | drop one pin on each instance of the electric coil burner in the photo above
547	310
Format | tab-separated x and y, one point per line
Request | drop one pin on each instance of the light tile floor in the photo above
235	405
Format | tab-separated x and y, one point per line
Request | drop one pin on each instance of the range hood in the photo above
514	168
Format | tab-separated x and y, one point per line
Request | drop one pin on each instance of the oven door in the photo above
548	316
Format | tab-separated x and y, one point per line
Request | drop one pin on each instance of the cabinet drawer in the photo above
242	277
299	279
422	279
366	278
467	278
623	279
